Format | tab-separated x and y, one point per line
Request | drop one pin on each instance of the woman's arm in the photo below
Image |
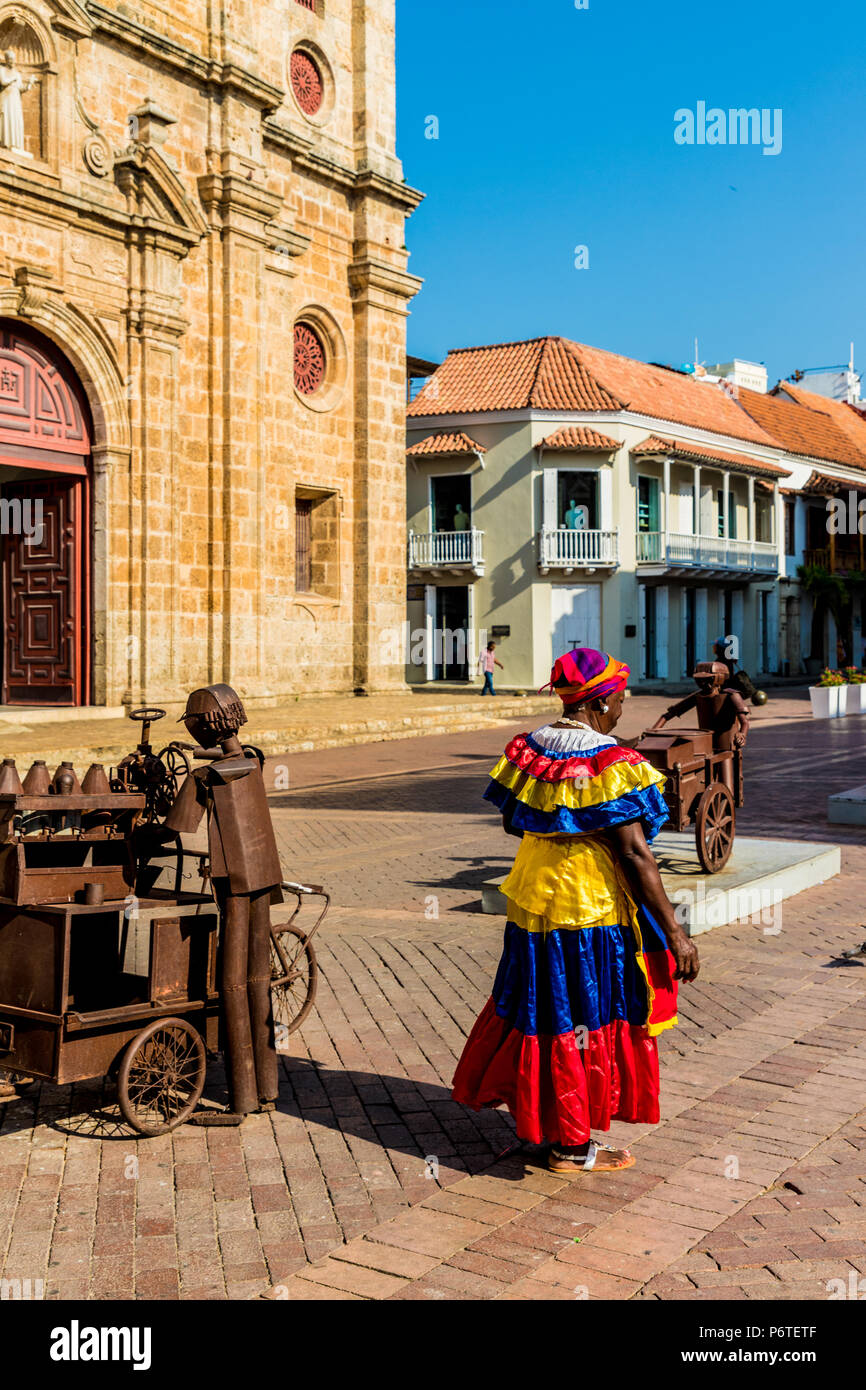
644	880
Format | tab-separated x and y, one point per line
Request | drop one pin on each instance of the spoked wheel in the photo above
715	826
161	1076
177	766
294	978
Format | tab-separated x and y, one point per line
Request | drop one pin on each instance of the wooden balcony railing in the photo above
680	550
446	550
566	549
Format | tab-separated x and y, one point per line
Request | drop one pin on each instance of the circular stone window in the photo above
320	359
307	83
309	360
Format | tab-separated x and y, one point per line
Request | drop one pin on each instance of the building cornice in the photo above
366	183
71	19
604	419
381	283
18	195
372	185
229	79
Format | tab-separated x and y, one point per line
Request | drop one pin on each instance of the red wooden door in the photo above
45	569
42	594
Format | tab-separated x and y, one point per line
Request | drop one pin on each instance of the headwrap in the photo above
585	674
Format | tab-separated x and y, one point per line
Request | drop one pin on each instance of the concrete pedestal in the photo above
847	808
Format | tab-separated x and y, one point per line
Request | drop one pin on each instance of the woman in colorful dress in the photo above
593	949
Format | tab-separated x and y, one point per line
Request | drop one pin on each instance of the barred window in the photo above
303	547
307	4
317	542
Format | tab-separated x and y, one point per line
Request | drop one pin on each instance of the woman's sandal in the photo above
591	1161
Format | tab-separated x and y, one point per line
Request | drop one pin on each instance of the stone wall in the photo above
184	215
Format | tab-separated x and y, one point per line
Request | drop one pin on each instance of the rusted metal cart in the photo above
108	963
703	789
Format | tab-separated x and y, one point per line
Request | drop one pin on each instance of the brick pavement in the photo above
368	1182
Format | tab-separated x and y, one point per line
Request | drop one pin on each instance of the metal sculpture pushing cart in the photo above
703	789
105	971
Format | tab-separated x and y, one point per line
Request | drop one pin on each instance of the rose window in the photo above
309	360
307	83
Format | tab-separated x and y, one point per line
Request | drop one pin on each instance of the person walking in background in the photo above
593	948
486	663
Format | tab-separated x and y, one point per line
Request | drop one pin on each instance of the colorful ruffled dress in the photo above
585	983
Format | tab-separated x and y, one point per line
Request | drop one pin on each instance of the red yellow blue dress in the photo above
585	983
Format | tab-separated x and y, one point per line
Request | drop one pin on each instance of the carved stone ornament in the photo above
98	156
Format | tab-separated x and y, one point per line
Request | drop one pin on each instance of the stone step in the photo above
453	717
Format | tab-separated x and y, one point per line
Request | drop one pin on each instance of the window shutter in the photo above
701	609
773	631
550	478
737	620
605	499
642	603
662	632
430	625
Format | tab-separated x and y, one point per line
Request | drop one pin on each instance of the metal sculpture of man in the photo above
246	874
720	709
12	85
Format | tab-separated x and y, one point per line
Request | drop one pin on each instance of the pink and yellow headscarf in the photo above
585	674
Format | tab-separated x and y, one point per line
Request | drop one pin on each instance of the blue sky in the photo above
556	130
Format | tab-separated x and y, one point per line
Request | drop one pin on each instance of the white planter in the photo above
856	701
825	701
842	708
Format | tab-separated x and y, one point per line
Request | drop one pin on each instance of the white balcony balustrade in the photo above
679	550
568	550
458	550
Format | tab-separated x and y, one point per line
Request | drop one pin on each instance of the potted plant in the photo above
826	695
855	690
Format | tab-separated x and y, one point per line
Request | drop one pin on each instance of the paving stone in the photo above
767	1066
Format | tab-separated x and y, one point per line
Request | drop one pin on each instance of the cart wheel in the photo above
177	767
161	1076
294	977
715	826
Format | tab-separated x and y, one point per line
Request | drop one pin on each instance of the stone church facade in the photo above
203	301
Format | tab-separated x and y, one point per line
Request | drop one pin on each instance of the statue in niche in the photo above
13	85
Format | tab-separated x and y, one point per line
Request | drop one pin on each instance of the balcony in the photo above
841	560
456	552
570	550
678	552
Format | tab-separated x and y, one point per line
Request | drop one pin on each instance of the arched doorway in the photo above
45	501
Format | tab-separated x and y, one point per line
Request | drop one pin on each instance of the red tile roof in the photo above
698	453
557	374
823	486
801	429
451	445
580	437
845	417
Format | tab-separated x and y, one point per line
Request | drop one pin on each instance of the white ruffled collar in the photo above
573	740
